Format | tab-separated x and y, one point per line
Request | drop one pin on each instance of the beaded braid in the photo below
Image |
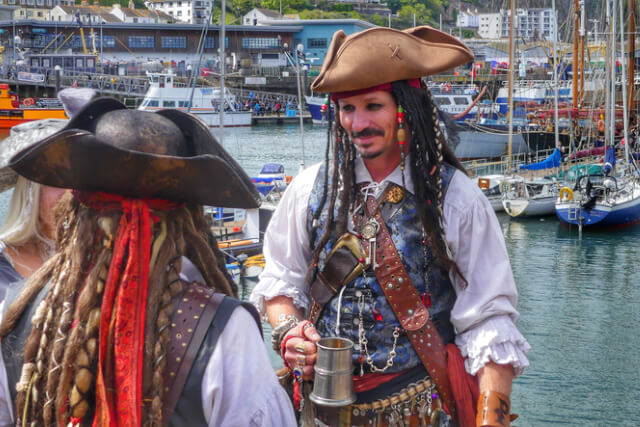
428	151
57	382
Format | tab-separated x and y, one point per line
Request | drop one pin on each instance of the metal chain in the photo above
363	341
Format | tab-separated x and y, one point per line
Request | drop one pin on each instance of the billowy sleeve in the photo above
6	406
240	388
286	247
484	313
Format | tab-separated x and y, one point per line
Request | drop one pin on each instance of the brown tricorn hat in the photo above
169	155
382	55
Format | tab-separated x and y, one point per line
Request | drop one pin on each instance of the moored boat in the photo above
490	186
12	114
164	93
529	198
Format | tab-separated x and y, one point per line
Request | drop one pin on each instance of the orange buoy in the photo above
28	102
601	125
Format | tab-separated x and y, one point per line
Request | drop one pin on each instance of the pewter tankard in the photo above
333	383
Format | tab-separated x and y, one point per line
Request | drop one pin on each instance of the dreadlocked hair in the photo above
60	356
343	155
428	152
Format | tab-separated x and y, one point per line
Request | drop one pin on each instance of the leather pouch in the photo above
341	266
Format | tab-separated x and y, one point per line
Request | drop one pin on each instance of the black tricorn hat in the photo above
168	154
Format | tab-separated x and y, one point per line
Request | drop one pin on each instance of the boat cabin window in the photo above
169	104
154	79
153	103
460	100
442	100
183	104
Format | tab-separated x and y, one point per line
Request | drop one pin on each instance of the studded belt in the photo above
416	405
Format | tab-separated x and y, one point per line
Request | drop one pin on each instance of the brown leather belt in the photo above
408	307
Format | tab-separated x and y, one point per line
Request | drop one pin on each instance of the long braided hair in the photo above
428	150
60	356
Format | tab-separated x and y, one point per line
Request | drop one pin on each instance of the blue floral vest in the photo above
377	316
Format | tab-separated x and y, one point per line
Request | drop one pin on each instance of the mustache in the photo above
366	132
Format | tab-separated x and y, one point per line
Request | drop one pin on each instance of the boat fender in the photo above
28	102
601	125
568	192
446	87
483	183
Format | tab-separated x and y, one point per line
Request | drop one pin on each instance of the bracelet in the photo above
286	322
283	348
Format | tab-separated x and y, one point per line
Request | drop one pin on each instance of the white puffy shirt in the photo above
484	313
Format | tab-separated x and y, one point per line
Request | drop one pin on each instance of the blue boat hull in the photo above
622	215
316	112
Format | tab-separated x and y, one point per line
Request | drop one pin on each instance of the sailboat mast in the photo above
223	66
582	61
632	54
555	74
614	47
576	59
511	72
625	112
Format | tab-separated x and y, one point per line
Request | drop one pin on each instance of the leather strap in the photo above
189	325
408	307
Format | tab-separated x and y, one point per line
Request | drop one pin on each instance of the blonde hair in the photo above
22	223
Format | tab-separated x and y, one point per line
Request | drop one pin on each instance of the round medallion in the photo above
370	229
395	194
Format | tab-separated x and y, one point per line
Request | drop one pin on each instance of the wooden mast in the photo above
576	59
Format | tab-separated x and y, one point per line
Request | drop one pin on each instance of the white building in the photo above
139	16
88	14
467	19
34	9
530	24
187	11
256	15
490	25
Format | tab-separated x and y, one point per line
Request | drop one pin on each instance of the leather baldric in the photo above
408	307
189	325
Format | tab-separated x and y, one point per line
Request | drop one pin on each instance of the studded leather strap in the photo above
408	308
195	311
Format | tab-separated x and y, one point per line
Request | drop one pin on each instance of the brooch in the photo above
395	194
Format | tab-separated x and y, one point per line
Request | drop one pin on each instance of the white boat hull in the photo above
521	207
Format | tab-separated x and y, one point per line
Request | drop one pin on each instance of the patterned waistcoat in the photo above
362	299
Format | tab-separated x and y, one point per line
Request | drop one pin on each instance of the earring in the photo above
401	135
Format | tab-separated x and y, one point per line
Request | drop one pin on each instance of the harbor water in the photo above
579	300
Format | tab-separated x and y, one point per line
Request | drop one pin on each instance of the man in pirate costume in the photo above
389	243
131	322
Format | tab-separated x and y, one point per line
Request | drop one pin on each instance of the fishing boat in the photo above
318	107
529	198
164	92
12	113
460	101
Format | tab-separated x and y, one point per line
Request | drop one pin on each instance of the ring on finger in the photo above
300	348
302	360
306	326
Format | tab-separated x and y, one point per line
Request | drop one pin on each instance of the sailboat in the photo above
532	197
610	199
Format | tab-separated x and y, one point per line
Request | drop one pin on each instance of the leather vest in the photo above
188	412
362	300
